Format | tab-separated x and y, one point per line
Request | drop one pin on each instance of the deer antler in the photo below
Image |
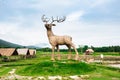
45	19
53	20
61	19
58	19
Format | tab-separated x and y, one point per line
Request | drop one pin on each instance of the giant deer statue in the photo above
56	40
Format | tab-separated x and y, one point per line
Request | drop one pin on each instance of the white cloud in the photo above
100	3
6	28
14	32
75	16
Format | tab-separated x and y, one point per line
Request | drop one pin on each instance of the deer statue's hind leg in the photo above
52	56
77	54
69	49
58	50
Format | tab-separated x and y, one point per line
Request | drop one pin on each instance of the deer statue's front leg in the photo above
77	55
52	56
69	50
58	50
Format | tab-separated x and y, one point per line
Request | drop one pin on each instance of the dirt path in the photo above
114	65
12	76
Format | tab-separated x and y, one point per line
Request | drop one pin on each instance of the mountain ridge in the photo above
7	44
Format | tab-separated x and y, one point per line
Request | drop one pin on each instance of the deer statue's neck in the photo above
49	32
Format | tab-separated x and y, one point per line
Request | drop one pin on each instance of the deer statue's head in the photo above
49	25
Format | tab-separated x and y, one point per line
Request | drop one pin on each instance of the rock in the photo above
54	78
12	72
75	77
65	78
41	78
84	76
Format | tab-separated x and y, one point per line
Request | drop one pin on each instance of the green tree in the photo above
85	48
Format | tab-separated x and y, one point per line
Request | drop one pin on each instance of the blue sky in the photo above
89	22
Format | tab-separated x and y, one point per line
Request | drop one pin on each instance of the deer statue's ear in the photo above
54	24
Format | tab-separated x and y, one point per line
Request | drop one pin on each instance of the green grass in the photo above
107	53
43	66
56	68
105	73
4	70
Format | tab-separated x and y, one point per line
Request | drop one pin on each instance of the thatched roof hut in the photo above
8	51
23	51
89	51
32	52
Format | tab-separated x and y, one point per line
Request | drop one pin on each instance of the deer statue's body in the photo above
55	40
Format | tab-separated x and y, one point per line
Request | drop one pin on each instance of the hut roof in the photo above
23	51
8	51
90	50
32	51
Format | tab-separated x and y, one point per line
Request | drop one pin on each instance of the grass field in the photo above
42	66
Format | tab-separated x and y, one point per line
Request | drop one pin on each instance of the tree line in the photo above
107	49
85	47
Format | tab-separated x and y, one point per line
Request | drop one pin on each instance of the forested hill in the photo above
6	44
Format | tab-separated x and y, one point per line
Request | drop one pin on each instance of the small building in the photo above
8	51
32	52
24	52
89	51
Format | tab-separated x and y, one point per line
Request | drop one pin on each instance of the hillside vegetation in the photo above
6	44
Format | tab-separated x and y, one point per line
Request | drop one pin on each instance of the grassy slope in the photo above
56	68
41	65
